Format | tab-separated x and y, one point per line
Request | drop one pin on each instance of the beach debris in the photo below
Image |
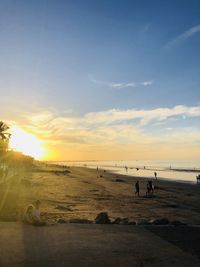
119	180
61	221
162	221
122	221
77	220
143	222
131	223
102	218
61	207
177	223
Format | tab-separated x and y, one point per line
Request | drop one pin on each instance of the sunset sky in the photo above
83	80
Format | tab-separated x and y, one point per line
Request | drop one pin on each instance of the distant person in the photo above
137	169
137	189
155	174
98	173
126	168
198	178
149	188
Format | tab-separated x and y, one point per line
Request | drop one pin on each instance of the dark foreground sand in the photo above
77	193
83	245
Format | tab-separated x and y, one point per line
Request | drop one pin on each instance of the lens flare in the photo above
26	143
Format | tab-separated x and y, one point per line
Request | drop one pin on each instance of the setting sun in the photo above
26	143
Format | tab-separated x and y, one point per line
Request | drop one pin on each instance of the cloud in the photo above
113	129
120	85
144	116
146	83
184	36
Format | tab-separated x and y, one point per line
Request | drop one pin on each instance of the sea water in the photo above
178	170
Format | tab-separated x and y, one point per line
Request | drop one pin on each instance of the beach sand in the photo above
78	193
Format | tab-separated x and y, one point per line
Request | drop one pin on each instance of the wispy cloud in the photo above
121	85
144	116
184	36
146	83
96	124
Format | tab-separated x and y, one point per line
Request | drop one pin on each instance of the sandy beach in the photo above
75	194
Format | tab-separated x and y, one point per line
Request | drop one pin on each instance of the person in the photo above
28	215
149	188
198	178
32	214
126	168
36	214
98	172
155	174
137	189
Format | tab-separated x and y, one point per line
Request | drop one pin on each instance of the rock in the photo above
143	222
123	221
80	221
162	221
177	223
131	223
119	180
61	221
117	220
102	218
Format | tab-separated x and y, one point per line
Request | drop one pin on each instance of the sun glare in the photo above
26	143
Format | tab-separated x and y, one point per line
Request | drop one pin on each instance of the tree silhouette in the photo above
4	136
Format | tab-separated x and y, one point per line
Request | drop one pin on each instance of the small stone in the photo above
102	218
177	223
61	221
131	223
80	221
162	221
143	222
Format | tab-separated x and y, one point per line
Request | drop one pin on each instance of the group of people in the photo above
149	186
32	214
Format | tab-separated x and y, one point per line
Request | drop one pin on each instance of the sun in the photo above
26	143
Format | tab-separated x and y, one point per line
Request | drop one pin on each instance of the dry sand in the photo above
70	193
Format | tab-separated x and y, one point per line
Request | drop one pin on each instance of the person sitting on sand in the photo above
28	215
36	214
137	189
32	214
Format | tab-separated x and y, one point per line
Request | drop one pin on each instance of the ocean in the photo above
179	170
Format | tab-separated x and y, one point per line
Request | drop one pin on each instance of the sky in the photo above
103	79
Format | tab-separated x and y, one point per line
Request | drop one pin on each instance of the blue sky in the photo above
73	58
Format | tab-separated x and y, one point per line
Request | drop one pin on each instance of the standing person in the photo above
126	168
137	188
155	174
97	172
